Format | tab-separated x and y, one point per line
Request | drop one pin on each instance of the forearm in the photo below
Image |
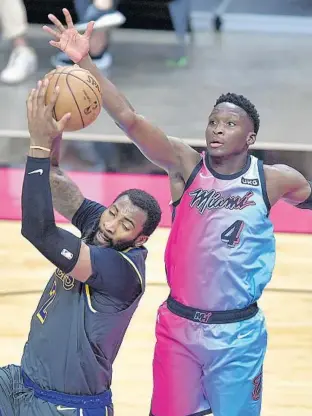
66	195
38	222
114	102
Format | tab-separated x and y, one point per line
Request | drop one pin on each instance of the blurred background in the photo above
172	59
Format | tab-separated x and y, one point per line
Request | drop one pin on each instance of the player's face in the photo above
121	226
229	131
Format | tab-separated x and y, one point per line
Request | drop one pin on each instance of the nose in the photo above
110	226
218	129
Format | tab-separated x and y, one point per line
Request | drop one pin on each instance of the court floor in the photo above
287	303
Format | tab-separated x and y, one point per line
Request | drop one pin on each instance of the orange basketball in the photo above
79	95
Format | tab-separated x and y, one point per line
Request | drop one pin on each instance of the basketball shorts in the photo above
201	367
20	397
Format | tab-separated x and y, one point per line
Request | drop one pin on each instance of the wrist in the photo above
85	62
39	152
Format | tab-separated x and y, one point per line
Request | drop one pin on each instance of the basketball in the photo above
79	95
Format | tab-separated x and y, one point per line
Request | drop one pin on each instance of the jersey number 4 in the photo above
231	236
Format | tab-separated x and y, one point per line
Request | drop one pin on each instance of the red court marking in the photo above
104	187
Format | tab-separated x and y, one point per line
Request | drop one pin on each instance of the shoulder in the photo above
280	174
88	213
131	260
136	258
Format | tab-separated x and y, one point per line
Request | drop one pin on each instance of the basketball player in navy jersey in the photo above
86	307
211	335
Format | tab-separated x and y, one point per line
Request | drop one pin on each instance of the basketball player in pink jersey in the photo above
211	335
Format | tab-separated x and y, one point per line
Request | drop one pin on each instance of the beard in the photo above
91	239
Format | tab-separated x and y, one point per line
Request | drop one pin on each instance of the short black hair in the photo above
243	103
148	204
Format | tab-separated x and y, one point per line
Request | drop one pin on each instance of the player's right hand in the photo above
68	40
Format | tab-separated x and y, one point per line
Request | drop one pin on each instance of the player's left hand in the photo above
43	128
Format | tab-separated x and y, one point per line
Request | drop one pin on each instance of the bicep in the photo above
83	268
156	145
106	270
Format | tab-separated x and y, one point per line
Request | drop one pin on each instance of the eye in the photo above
231	124
211	123
125	227
112	213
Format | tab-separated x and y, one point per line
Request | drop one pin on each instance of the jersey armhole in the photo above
188	183
263	186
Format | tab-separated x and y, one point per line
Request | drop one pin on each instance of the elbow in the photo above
37	236
126	120
30	234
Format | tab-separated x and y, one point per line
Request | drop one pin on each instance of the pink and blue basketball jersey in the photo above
221	250
211	335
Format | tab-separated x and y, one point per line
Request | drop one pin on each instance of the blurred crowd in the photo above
23	59
23	63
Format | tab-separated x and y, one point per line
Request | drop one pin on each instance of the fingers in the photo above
29	104
35	100
52	32
68	18
42	90
55	44
56	22
53	99
89	30
64	120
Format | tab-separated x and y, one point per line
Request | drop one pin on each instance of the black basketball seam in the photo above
88	86
80	70
83	124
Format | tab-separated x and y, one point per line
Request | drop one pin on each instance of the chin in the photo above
217	152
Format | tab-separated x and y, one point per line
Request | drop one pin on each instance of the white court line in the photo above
115	138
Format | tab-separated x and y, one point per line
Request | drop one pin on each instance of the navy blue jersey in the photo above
77	328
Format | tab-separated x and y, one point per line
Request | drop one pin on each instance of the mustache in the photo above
90	239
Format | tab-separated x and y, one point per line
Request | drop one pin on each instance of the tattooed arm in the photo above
67	197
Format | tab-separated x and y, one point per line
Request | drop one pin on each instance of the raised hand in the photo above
75	45
43	128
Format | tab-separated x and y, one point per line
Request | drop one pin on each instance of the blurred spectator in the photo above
180	16
105	15
23	59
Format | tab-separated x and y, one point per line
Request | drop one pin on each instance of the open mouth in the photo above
215	144
102	239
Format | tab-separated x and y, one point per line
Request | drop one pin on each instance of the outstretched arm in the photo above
286	183
62	248
170	154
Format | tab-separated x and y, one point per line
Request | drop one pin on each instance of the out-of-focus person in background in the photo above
105	16
180	16
23	59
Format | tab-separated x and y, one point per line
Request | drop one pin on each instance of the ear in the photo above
251	138
140	240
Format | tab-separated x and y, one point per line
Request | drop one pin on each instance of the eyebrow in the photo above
126	218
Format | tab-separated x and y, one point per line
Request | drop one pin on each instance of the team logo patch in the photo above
202	317
257	390
251	182
67	254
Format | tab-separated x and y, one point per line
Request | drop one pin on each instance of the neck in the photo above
228	165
